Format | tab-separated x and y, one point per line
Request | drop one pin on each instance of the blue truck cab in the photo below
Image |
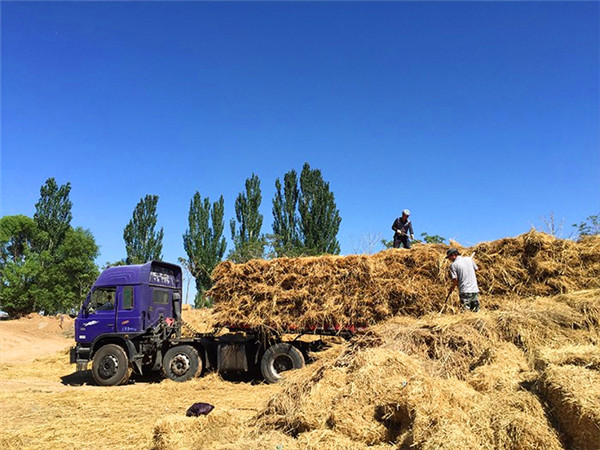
128	315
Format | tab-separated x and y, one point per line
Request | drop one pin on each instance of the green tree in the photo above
319	217
53	214
19	264
204	242
69	273
33	281
589	227
432	239
387	244
247	240
142	243
286	235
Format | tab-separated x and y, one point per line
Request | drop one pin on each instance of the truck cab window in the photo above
127	297
103	299
160	296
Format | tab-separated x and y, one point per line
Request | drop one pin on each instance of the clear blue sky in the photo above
480	117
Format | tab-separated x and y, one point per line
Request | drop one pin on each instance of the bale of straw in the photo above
573	392
340	291
541	322
587	356
518	421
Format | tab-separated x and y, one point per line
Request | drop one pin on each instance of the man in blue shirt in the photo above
402	227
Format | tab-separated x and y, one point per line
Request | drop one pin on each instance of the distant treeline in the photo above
48	266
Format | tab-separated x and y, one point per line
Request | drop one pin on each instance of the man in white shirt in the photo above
462	272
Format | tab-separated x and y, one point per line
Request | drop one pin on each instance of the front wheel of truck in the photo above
110	366
181	363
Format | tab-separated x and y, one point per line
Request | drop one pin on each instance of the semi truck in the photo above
131	322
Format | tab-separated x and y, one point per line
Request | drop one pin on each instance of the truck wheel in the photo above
110	366
181	363
279	358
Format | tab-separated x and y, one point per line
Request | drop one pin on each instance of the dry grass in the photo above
573	393
37	411
339	291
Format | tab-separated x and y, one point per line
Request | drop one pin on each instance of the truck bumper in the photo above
80	356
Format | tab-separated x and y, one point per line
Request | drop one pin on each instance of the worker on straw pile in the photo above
462	272
402	227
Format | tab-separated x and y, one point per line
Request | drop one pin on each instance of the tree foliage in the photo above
19	264
53	214
204	242
245	230
306	218
432	239
142	243
319	217
42	273
588	227
68	273
285	239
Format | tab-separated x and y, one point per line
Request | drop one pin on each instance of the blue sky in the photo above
480	117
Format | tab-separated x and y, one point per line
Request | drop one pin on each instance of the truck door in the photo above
161	305
128	311
102	314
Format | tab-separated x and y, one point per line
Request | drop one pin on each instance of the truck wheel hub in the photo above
283	363
108	366
180	365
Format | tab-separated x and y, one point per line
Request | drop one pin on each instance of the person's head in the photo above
452	254
405	213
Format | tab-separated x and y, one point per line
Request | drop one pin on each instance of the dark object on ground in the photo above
198	409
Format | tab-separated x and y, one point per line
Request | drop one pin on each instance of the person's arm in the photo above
394	227
454	284
410	229
454	277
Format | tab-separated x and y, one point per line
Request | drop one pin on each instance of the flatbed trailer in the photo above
131	322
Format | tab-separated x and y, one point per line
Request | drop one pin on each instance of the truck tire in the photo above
280	358
181	363
110	366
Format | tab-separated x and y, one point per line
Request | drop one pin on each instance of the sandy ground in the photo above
45	404
34	336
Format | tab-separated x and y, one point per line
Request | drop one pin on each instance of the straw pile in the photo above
452	382
570	382
336	291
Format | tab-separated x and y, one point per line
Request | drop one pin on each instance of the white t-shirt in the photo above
464	269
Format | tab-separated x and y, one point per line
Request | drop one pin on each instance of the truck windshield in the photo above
103	299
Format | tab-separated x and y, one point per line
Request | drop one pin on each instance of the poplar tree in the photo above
319	217
286	234
204	242
53	214
248	241
142	243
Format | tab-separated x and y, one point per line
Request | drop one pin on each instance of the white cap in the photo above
406	212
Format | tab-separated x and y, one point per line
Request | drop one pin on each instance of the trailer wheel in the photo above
110	366
181	363
280	358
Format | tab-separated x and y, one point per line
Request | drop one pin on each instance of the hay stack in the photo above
432	383
340	291
573	393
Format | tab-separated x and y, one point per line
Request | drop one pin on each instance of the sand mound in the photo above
340	291
34	336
